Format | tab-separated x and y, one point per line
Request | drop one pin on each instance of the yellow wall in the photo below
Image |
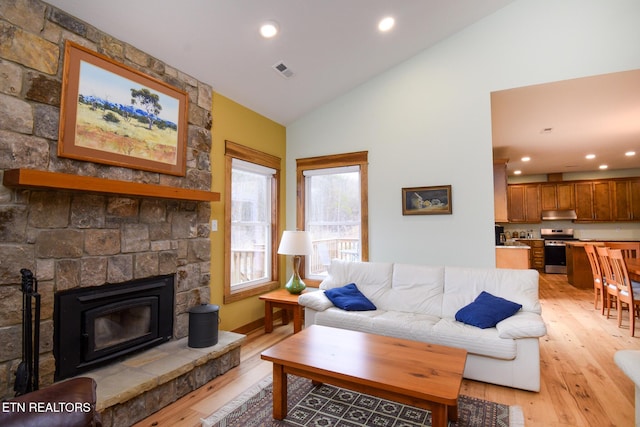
233	122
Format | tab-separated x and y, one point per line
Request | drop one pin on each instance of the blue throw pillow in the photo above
487	310
349	298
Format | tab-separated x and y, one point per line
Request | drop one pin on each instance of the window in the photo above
251	213
332	206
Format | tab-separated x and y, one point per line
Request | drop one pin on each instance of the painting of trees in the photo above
147	100
116	115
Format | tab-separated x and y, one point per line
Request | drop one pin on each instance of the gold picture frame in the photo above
434	200
113	114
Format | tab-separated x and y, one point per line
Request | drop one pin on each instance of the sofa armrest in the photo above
524	324
629	362
317	301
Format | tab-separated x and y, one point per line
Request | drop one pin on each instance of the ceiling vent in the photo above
283	70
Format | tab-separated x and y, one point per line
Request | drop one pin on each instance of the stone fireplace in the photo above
75	239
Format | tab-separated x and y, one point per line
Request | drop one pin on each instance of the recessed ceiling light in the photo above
518	172
525	158
386	24
630	153
590	156
603	166
269	29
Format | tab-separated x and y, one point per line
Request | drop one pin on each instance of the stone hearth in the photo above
132	390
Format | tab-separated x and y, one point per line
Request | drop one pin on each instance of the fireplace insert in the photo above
96	325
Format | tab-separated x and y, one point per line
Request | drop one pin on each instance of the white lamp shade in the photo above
295	243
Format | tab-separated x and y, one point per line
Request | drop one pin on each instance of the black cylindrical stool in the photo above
203	325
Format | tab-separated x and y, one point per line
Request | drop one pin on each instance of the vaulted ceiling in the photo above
332	46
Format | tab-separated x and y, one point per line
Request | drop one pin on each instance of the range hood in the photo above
568	214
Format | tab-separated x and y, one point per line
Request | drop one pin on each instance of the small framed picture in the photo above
434	200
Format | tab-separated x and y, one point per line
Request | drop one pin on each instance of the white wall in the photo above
427	121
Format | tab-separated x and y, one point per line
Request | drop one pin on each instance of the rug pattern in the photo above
329	406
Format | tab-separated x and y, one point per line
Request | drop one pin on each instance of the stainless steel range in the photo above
555	244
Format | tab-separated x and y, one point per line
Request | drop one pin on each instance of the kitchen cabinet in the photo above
606	200
584	201
566	195
621	200
557	196
500	190
536	252
626	200
593	201
548	198
602	201
524	203
634	204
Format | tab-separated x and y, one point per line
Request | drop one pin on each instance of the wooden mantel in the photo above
30	178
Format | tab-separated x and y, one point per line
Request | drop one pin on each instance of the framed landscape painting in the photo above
116	115
426	200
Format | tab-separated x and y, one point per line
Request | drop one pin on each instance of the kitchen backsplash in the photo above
611	231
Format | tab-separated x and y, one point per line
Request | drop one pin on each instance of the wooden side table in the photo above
281	298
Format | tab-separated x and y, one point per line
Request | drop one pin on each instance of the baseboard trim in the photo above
256	324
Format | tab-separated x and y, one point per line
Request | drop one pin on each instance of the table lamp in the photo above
298	244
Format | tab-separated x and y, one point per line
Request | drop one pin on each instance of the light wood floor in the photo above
581	384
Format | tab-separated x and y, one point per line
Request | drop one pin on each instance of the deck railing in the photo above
325	250
247	265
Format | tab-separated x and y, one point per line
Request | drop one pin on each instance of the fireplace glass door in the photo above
119	325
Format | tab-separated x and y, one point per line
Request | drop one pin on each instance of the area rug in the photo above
329	406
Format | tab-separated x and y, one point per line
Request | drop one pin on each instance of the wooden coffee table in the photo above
424	375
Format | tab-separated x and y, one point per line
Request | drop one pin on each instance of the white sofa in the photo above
420	302
629	362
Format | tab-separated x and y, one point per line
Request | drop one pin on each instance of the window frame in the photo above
240	152
360	159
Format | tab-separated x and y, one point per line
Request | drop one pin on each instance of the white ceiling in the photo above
593	115
331	46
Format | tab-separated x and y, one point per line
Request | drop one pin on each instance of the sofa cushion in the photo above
487	310
421	327
315	300
373	278
349	298
411	326
415	289
463	284
483	342
523	324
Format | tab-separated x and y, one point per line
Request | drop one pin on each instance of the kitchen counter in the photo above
609	240
582	243
578	267
513	242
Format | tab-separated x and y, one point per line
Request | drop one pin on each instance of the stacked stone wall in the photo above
77	239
